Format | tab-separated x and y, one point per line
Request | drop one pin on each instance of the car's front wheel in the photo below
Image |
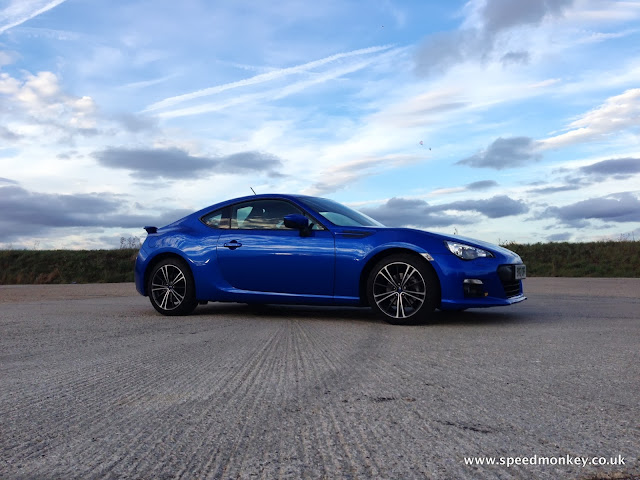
402	289
171	288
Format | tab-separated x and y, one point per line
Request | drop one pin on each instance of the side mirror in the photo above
299	222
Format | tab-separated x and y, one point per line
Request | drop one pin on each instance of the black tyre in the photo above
171	288
403	290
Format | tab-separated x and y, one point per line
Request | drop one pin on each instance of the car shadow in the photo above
307	312
489	316
486	316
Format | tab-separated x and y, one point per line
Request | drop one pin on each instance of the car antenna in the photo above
254	192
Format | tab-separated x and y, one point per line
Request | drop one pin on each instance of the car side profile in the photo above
296	249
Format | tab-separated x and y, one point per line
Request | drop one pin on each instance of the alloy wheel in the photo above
168	287
399	290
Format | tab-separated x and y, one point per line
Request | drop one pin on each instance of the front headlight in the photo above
467	252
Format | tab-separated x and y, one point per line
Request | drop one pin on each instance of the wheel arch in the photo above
159	258
371	262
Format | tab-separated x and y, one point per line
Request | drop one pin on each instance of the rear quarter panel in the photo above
197	247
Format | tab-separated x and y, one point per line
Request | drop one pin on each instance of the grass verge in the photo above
594	259
66	266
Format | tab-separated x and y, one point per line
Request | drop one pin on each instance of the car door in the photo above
258	253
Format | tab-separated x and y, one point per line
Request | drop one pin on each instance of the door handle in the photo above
233	244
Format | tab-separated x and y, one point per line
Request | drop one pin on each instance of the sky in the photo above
494	119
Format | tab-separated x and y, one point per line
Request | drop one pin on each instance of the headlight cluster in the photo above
467	252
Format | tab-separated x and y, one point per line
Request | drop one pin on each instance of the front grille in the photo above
507	277
511	289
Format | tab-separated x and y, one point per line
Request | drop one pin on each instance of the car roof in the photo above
262	196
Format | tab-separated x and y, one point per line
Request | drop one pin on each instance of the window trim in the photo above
275	199
225	221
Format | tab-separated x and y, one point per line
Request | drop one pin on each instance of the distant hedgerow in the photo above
595	259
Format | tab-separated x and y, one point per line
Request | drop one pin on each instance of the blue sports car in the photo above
298	249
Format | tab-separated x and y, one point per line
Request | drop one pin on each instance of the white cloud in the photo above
149	83
616	114
594	37
6	58
423	108
597	11
50	34
339	175
399	15
37	105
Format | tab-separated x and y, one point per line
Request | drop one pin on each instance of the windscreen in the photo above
340	215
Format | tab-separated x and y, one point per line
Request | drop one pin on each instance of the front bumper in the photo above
458	304
485	282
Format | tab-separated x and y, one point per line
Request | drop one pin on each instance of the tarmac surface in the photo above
95	384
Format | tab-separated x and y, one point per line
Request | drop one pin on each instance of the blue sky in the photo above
496	119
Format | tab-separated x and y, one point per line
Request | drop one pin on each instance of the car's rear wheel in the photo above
402	289
171	288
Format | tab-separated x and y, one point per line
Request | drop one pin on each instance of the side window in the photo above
216	219
242	213
262	214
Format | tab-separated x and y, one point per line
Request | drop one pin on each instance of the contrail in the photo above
263	77
21	11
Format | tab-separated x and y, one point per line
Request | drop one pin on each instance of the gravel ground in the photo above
95	384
